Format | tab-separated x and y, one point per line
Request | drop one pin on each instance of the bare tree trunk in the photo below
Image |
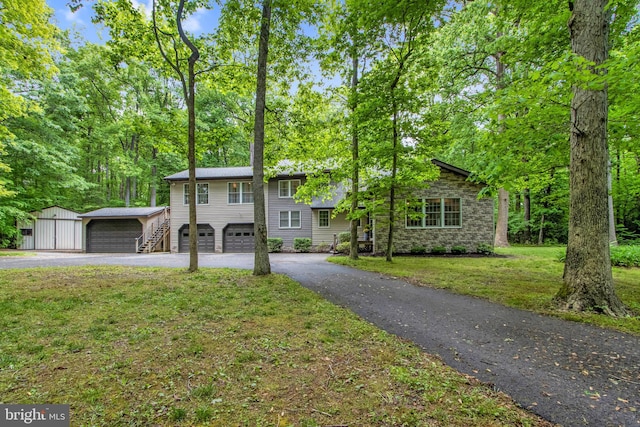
588	282
261	264
527	215
394	172
355	174
502	224
613	240
154	174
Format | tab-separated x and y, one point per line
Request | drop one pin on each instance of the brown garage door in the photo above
113	235
206	238
239	238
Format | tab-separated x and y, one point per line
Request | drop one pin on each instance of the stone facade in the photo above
476	215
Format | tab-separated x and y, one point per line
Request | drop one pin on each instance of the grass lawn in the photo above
153	346
13	253
522	277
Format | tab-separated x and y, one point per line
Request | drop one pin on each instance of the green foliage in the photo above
418	250
458	250
438	250
344	237
625	256
344	248
274	244
485	249
302	244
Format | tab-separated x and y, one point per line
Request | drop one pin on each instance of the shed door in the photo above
113	235
239	238
206	238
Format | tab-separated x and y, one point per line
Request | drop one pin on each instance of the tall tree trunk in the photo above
153	191
613	240
588	282
261	265
355	174
527	215
502	223
394	172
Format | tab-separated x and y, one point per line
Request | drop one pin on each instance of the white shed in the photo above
54	229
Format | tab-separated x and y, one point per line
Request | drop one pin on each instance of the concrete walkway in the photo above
569	373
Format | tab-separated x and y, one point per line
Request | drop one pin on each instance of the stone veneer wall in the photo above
477	220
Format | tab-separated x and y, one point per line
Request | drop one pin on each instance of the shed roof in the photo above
123	212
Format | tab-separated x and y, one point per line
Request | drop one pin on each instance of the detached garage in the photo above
116	229
53	229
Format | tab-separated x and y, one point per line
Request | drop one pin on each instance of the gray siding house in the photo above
448	213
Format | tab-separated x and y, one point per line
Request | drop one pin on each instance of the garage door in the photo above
113	235
206	238
239	238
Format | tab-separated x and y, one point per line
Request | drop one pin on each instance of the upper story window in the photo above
287	188
434	213
202	194
239	192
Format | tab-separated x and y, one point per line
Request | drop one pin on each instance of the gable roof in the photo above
123	212
451	168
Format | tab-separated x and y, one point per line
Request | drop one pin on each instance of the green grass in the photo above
153	346
523	277
4	252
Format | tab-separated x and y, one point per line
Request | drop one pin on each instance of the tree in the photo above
588	282
261	261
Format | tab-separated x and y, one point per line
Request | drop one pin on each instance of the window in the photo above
287	188
240	192
434	213
26	231
323	219
202	194
290	219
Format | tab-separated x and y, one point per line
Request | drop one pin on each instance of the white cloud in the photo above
192	23
70	16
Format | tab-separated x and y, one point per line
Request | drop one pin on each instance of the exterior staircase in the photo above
153	236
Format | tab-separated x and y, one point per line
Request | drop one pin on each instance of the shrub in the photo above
438	250
485	249
625	256
302	244
418	250
274	244
458	250
344	248
322	247
345	236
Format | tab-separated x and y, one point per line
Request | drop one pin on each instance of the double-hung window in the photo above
287	188
434	213
289	219
323	219
239	193
202	194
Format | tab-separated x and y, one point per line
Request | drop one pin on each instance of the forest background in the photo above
484	85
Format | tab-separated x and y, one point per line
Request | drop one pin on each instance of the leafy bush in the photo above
302	244
418	250
625	256
438	250
485	249
345	236
274	244
322	247
458	250
344	248
621	256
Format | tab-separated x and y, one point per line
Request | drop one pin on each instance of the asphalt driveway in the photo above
569	373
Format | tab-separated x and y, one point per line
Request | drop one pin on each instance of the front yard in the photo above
521	277
154	346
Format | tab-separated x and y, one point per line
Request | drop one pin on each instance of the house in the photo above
53	228
449	213
126	230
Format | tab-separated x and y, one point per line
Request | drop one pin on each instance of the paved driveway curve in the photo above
569	373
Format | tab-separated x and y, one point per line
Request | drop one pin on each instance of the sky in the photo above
79	22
